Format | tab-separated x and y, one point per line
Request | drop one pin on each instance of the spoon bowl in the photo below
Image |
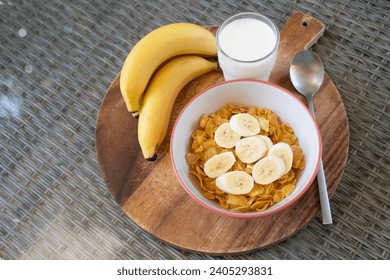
307	75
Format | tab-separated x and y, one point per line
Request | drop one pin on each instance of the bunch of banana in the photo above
156	70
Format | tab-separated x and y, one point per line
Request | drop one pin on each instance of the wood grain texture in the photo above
150	194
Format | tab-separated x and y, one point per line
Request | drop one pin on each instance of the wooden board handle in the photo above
299	33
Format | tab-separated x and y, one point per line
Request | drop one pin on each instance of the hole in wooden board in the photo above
305	23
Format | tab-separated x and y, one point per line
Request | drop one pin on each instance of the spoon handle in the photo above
311	105
324	199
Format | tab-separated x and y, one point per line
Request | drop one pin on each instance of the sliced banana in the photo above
268	142
219	164
268	170
284	151
225	137
251	149
244	124
235	182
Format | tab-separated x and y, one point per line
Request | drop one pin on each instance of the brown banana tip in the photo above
153	158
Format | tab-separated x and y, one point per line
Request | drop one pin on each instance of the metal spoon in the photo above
307	74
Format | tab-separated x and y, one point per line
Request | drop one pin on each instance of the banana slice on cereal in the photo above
235	182
250	149
225	137
284	151
268	142
244	124
268	170
219	164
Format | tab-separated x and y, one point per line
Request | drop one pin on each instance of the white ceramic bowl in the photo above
249	93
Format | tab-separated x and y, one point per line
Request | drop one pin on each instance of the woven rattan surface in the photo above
57	59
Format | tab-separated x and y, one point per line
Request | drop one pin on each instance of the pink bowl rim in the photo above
247	215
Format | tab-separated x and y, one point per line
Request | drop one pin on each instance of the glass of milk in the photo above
247	46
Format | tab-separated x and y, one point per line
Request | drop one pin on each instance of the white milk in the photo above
247	48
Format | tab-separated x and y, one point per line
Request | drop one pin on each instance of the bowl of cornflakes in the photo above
245	148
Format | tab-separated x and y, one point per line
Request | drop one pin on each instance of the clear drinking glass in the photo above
247	46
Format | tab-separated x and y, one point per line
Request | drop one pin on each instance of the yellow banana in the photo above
154	49
160	96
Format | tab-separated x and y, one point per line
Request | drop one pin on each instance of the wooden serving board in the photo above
150	194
